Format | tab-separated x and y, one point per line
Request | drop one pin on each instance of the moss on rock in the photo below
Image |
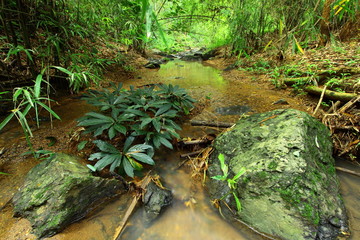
59	191
290	170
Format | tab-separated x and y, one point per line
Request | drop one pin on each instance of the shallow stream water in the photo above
191	216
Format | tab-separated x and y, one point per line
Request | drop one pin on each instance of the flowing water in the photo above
191	215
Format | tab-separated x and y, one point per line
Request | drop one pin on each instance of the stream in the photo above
191	215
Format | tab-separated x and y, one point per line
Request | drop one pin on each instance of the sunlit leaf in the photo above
143	158
238	203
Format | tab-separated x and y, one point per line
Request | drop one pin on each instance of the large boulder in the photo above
290	189
59	191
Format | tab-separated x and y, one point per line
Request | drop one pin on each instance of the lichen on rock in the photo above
59	191
290	189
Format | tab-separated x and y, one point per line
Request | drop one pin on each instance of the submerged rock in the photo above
290	189
155	200
59	191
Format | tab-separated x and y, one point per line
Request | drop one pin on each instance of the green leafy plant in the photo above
25	99
128	159
142	115
230	181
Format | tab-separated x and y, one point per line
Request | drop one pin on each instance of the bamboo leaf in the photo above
49	110
299	46
6	120
37	86
28	97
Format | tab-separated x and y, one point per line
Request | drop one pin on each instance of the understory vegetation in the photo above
130	124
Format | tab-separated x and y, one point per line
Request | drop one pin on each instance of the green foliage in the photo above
142	114
128	159
25	99
230	181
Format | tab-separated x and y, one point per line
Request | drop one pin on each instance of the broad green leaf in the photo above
106	147
81	145
139	148
163	109
166	142
129	170
101	129
97	155
91	167
105	161
120	128
171	113
144	122
136	165
136	112
111	132
157	125
156	141
115	164
90	122
143	158
100	116
128	143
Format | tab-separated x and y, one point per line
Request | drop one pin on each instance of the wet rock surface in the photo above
233	110
155	200
59	191
290	189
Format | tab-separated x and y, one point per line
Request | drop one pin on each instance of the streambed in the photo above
191	215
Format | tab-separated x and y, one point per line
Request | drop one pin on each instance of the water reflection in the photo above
191	215
191	74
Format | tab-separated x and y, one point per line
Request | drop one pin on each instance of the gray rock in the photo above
155	200
290	189
59	191
280	102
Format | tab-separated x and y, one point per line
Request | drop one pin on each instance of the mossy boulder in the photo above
59	191
290	189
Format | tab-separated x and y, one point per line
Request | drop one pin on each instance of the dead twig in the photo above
191	154
320	100
347	171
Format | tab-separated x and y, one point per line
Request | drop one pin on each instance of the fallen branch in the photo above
211	124
128	213
190	154
131	208
331	94
349	104
194	142
347	171
320	100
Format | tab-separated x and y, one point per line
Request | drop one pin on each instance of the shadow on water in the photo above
191	215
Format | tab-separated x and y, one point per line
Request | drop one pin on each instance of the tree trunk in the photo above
325	23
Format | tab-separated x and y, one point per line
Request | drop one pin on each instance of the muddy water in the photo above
191	215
